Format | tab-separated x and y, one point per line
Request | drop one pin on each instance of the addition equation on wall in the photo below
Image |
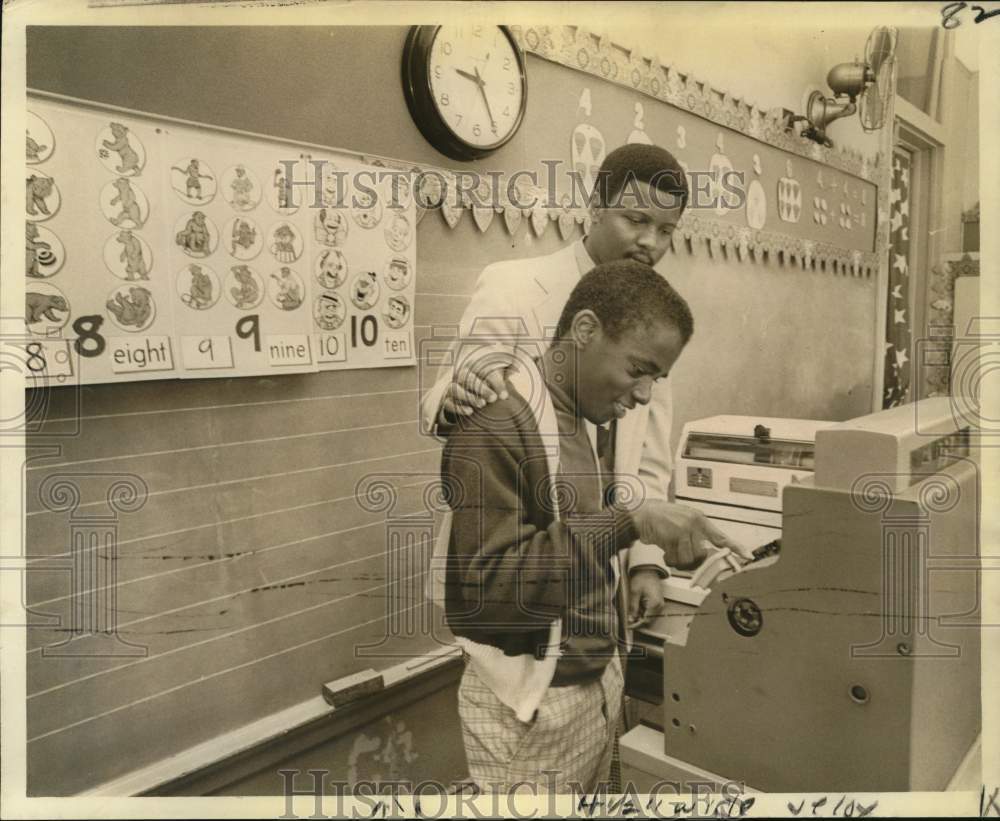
156	250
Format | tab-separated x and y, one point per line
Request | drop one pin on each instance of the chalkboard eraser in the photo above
350	688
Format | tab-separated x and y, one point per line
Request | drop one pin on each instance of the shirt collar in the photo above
563	402
561	398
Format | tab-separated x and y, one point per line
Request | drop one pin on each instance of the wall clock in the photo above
465	87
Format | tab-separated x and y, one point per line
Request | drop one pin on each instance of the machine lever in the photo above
715	564
765	550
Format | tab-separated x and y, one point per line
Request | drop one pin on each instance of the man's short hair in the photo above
638	162
626	295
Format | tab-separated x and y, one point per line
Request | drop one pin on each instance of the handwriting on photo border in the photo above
950	12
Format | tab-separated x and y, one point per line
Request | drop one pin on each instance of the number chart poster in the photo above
157	250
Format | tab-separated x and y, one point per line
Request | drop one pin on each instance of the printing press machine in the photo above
846	656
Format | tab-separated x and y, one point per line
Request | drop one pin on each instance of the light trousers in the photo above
566	747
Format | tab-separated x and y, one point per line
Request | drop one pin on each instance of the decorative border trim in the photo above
579	49
696	233
740	242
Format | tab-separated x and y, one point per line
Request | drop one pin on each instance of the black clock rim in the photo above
420	98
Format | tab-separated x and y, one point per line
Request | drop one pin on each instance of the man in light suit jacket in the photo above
640	195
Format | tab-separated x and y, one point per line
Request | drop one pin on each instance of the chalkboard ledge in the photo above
207	767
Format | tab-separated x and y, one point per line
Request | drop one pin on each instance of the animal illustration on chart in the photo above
131	255
195	239
34	150
283	191
133	310
192	180
284	248
200	294
242	188
44	306
244	236
38	139
38	189
128	157
129	204
247	293
35	247
289	293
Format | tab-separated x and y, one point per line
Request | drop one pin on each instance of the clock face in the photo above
467	87
476	81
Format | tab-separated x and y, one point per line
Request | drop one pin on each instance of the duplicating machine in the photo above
846	655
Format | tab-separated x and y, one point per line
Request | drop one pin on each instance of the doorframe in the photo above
923	136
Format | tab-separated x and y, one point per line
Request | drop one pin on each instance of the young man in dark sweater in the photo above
532	565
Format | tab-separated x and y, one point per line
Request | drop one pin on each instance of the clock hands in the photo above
482	90
481	85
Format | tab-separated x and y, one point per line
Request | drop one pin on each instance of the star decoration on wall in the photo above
896	370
